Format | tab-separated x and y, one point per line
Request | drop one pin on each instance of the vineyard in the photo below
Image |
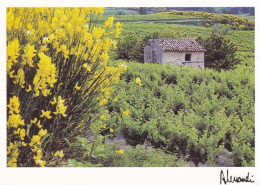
242	39
188	111
76	83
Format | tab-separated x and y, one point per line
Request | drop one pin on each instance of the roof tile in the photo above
178	44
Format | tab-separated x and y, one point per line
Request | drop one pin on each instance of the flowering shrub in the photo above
233	20
58	80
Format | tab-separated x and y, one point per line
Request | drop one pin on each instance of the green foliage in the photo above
135	36
243	40
220	54
75	163
189	111
139	157
221	29
142	11
88	149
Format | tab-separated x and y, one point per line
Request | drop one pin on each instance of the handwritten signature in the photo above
231	179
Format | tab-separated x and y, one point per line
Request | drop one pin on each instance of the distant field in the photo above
247	17
130	16
244	40
188	18
151	17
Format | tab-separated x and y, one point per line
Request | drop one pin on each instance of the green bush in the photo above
220	54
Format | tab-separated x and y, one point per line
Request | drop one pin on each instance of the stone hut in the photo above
182	52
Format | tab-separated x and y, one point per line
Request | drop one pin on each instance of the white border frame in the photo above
118	176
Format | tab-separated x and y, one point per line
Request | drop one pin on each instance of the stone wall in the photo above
153	53
178	58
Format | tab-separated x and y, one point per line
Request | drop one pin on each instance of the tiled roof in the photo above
178	44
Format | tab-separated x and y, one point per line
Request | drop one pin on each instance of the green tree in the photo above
131	47
142	11
220	54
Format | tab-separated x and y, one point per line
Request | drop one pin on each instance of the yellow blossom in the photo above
17	131
11	74
10	147
29	88
120	151
59	154
116	99
35	148
24	144
38	158
39	124
14	121
46	75
29	53
127	112
42	132
12	162
118	29
104	126
51	37
41	163
22	134
109	22
103	102
16	152
111	130
114	44
46	114
13	49
103	117
87	67
46	92
77	87
53	101
63	48
19	78
14	105
45	40
138	81
60	109
35	139
33	121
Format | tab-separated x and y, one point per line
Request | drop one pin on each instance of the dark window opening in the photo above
187	57
153	57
